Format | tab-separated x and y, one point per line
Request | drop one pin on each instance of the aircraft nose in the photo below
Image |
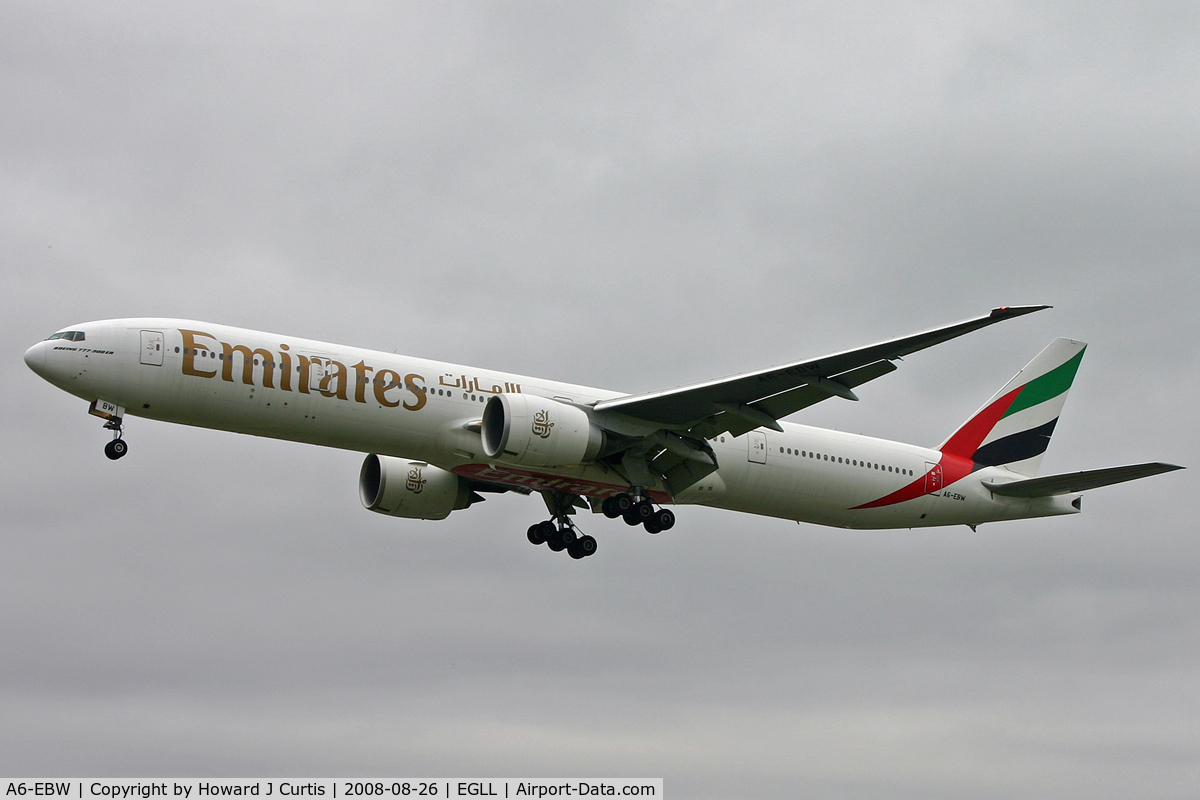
35	358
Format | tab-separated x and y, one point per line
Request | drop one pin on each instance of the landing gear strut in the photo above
636	510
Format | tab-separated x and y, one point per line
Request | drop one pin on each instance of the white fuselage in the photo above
233	379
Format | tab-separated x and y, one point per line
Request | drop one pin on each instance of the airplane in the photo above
438	436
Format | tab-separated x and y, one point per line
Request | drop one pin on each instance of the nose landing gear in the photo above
117	448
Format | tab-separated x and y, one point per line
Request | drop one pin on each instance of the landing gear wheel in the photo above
567	535
664	518
583	547
643	510
651	525
546	532
631	518
622	503
116	449
609	507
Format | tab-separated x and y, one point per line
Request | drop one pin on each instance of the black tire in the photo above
555	542
582	547
116	449
609	507
665	518
651	525
643	510
631	518
568	536
622	503
535	534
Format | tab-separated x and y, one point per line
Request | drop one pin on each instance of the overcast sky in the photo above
631	196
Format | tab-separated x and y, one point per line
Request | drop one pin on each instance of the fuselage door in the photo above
152	348
758	447
316	373
933	478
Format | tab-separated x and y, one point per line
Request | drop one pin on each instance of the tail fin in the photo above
1013	429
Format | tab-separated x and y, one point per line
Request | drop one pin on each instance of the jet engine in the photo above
535	431
399	487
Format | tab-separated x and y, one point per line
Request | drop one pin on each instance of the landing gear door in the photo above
152	348
758	447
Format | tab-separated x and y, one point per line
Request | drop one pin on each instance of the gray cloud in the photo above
630	196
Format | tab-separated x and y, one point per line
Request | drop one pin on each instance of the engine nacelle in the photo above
399	487
538	432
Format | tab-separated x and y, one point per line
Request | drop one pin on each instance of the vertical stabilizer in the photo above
1013	429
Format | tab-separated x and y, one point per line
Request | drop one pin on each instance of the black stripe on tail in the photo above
1017	447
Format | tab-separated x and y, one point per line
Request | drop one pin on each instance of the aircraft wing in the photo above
1051	485
740	403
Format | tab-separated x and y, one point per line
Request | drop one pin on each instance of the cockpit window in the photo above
70	336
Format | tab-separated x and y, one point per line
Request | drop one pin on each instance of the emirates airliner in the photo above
438	436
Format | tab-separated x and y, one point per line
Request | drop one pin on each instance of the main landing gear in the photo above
559	532
636	510
562	536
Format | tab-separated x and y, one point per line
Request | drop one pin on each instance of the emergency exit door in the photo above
933	478
758	447
152	348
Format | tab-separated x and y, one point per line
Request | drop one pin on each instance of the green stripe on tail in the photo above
1048	386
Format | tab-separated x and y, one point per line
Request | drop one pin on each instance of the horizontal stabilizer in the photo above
1078	481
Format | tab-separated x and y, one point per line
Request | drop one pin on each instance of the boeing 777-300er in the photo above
440	435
